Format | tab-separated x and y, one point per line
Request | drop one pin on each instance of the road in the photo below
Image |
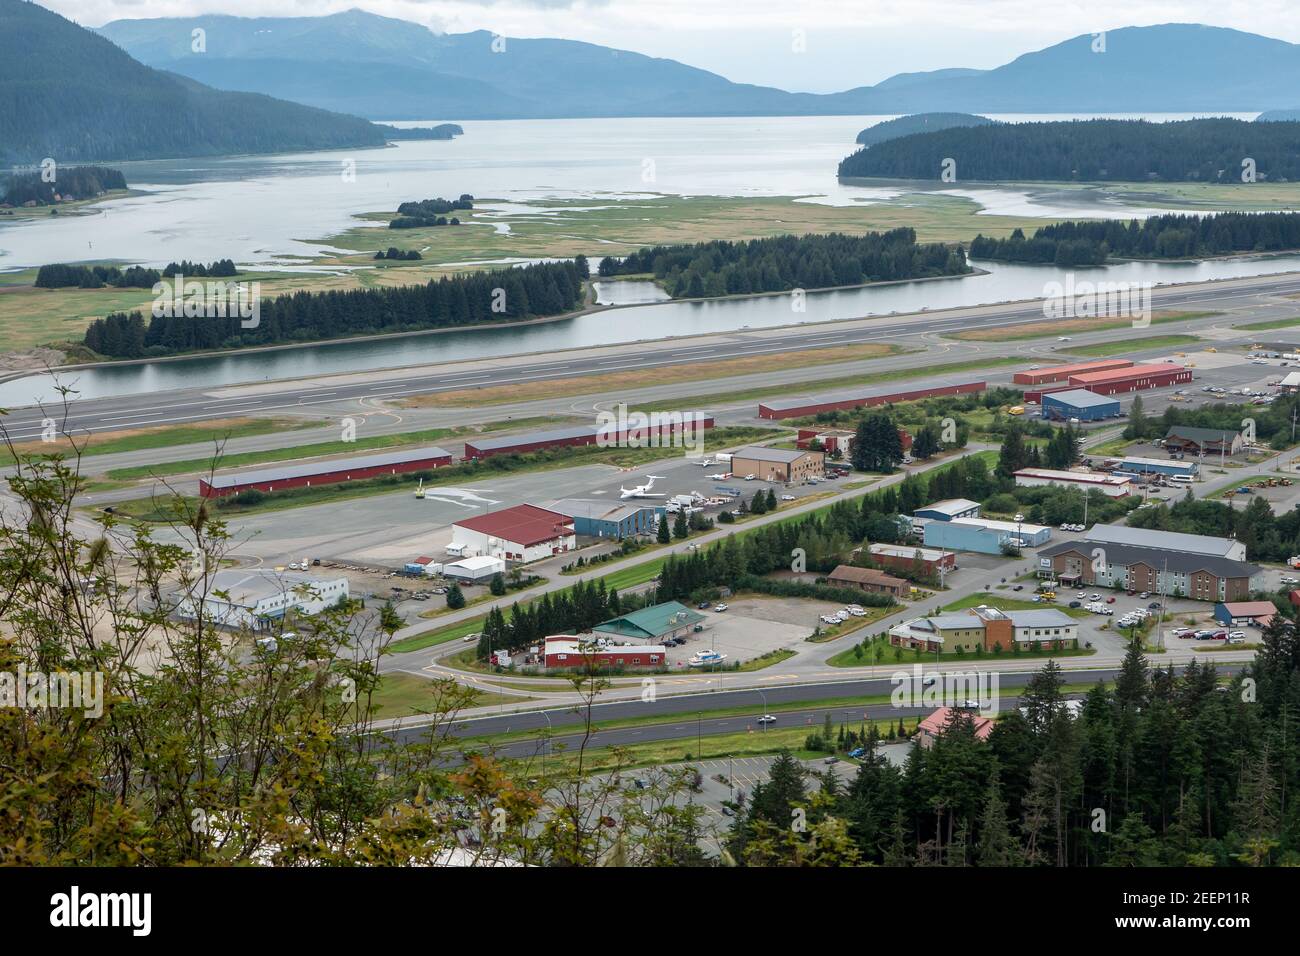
297	396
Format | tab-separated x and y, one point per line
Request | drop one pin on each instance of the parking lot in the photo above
749	628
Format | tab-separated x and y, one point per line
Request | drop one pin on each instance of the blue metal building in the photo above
1081	404
609	519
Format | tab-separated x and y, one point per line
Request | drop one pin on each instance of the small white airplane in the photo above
720	476
704	462
640	491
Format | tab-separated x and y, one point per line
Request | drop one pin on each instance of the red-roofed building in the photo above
520	534
932	727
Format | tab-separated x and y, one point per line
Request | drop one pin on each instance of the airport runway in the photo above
297	396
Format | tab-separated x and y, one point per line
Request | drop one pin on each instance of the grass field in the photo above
1102	349
163	436
405	695
1035	330
1274	324
637	378
1010	604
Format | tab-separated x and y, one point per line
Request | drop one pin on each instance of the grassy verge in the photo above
644	378
312	450
165	436
1035	330
405	695
1010	604
1273	324
1101	349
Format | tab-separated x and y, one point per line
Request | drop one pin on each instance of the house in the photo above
657	623
520	534
1203	441
867	579
839	441
778	464
1237	613
932	727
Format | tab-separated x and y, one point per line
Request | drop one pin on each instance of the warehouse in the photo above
474	570
1202	441
573	436
1157	466
866	398
609	519
326	472
657	623
1062	373
255	598
963	536
1112	486
1135	378
949	510
1033	535
912	560
778	464
1079	403
520	534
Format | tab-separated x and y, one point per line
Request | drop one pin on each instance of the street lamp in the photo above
544	742
764	722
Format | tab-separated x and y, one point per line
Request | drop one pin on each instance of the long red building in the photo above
866	398
326	472
1133	379
1062	373
557	438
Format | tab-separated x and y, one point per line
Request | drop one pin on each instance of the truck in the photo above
1293	561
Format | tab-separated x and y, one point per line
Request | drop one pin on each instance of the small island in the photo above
431	212
442	131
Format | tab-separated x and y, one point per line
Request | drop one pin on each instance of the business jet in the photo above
640	491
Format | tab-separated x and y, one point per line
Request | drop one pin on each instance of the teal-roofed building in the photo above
652	624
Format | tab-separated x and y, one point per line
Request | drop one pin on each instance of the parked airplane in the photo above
640	491
704	462
720	476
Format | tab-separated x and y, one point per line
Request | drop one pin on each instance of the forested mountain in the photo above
918	123
1092	242
1201	150
69	94
441	131
782	263
390	69
1274	116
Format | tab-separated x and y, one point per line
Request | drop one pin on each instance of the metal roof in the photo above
652	621
761	453
522	524
1165	540
328	467
1080	398
1181	562
951	506
1044	618
551	434
598	510
866	394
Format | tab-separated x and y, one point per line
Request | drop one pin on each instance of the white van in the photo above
1181	479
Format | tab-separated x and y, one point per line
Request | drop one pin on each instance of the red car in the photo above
1110	600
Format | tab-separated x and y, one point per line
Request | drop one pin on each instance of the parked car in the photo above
720	608
1111	599
1076	604
1236	636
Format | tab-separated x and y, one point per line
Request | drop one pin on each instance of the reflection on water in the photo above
1002	283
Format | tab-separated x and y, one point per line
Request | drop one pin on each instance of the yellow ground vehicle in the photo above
1016	410
1211	348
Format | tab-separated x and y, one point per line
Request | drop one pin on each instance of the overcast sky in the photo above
846	43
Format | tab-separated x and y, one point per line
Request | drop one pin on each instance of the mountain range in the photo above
384	68
70	95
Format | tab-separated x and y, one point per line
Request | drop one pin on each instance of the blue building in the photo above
964	536
609	519
1079	403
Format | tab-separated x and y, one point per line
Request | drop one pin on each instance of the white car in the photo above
720	608
787	497
767	719
750	477
1063	338
1234	636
